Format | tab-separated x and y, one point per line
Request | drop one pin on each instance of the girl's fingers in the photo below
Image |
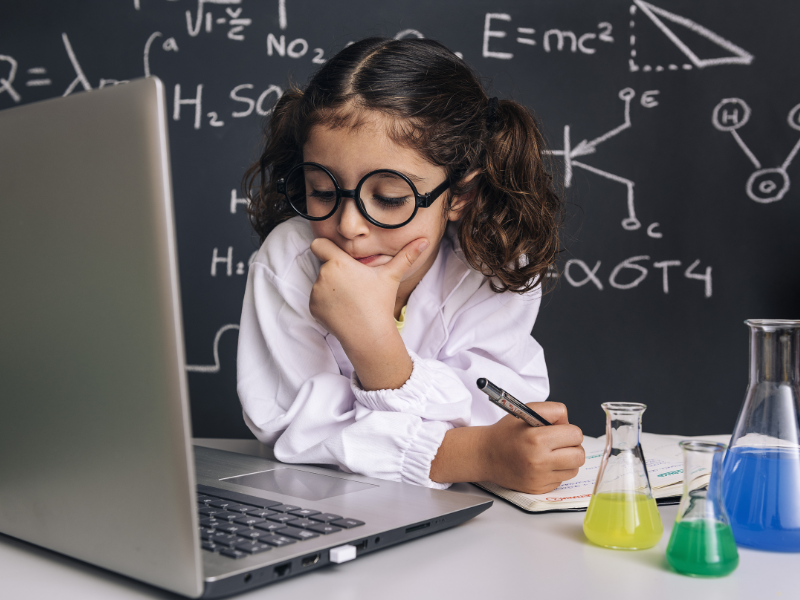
404	259
558	436
554	412
567	458
324	249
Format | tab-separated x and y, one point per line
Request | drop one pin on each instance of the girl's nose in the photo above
351	222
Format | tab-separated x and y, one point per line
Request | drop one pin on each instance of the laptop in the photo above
96	454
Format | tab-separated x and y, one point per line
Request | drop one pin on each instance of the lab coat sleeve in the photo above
489	337
294	396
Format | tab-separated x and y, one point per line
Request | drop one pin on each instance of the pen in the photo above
510	404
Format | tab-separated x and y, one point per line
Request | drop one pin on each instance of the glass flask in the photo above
762	468
702	542
622	513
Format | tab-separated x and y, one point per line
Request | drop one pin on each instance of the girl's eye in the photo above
390	202
323	196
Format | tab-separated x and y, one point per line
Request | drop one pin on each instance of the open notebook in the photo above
663	457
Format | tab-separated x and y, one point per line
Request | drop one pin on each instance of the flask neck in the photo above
774	353
623	429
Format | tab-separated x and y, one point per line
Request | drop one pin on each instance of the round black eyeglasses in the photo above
385	197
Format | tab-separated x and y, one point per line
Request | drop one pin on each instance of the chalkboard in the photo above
676	125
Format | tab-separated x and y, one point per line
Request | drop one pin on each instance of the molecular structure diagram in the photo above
764	185
571	152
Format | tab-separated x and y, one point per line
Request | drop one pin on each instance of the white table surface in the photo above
502	553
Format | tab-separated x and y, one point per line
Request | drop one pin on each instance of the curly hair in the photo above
509	230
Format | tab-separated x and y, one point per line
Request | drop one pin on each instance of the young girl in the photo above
407	223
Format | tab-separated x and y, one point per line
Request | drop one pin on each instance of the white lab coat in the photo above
297	386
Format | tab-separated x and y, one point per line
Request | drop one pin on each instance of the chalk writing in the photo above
763	185
585	147
553	40
630	273
216	366
658	16
169	45
233	19
7	81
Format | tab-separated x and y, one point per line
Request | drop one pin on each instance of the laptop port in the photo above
417	527
283	570
362	545
310	560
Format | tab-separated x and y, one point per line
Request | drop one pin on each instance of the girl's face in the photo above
352	153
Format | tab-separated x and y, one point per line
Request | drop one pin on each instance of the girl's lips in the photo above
368	259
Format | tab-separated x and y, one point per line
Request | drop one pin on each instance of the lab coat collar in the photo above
425	330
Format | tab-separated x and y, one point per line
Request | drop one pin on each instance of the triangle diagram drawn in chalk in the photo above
738	56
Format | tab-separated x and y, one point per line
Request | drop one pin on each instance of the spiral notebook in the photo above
663	457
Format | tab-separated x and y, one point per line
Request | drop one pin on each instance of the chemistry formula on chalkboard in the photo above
673	127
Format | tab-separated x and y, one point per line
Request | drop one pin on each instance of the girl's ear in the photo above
459	203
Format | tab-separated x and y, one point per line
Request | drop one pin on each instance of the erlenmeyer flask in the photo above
702	543
762	468
622	512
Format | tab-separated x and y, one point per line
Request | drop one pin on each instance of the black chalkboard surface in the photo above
676	124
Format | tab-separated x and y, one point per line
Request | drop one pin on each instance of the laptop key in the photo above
249	510
227	515
206	532
210	511
284	508
248	520
278	540
304	512
226	504
228	527
224	539
281	517
253	547
325	517
261	512
208	546
347	523
304	523
236	496
298	534
324	528
232	553
269	526
207	521
254	534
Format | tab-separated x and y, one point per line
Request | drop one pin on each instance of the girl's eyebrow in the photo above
411	176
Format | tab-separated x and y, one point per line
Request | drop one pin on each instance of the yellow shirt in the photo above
402	320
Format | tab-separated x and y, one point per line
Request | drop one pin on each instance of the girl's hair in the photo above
510	228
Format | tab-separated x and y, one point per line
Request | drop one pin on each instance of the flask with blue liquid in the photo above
762	468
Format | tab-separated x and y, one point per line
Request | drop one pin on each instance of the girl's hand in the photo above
533	460
353	300
356	303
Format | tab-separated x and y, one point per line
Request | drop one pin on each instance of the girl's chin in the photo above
376	260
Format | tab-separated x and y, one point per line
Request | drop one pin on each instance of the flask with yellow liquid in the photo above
622	513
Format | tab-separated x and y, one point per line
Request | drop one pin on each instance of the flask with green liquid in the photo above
622	513
702	542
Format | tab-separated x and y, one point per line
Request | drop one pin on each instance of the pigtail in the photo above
510	231
266	208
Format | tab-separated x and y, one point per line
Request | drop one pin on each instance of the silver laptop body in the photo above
96	460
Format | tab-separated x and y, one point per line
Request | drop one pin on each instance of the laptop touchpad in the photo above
299	484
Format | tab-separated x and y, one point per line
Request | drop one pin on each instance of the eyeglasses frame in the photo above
420	200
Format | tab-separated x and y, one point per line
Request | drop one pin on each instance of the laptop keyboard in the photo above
238	525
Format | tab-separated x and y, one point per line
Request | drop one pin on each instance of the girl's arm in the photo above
295	396
510	453
489	337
